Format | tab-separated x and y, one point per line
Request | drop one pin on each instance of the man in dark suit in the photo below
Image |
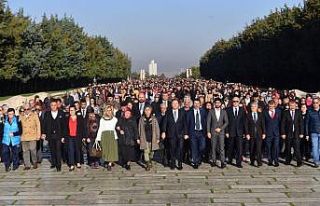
292	130
217	122
165	100
174	128
255	133
164	144
54	130
156	105
272	118
196	124
235	131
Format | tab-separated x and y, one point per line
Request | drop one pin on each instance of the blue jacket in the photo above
191	122
313	122
14	127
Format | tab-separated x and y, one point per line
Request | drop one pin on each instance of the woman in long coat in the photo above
149	135
128	135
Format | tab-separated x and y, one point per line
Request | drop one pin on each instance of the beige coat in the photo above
31	129
155	133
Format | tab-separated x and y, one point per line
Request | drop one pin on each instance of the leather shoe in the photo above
276	164
223	165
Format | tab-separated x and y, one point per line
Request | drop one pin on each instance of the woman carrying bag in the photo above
108	137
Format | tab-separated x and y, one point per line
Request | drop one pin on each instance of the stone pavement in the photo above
285	185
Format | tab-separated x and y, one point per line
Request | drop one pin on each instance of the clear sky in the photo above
176	33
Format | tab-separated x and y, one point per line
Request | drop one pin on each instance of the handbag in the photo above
96	150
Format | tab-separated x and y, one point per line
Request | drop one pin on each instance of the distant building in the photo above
153	68
188	73
142	74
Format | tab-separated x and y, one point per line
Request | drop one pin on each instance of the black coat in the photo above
130	128
287	124
61	131
175	129
236	126
252	127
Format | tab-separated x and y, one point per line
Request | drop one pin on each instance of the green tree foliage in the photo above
56	49
281	49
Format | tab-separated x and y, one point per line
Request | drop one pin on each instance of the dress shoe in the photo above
259	164
316	166
287	163
299	164
52	166
179	167
35	165
7	169
27	168
270	164
127	167
252	164
109	167
276	164
15	168
213	164
223	165
195	166
239	166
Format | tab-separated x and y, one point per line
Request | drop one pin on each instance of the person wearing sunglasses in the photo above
31	133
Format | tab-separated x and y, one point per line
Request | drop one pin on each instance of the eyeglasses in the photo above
236	101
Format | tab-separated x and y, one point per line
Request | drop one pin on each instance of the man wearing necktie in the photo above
174	128
272	118
292	131
235	131
196	124
255	133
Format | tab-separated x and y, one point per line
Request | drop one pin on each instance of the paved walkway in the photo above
285	185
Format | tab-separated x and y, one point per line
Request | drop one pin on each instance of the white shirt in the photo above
195	118
175	111
217	111
107	125
270	112
234	111
54	114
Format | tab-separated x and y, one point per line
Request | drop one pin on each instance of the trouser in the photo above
91	160
272	143
305	148
29	147
176	148
295	143
73	150
235	145
255	149
55	148
198	146
217	143
164	152
10	154
148	153
315	138
186	151
39	150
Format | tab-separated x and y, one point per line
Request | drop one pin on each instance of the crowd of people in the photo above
170	121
